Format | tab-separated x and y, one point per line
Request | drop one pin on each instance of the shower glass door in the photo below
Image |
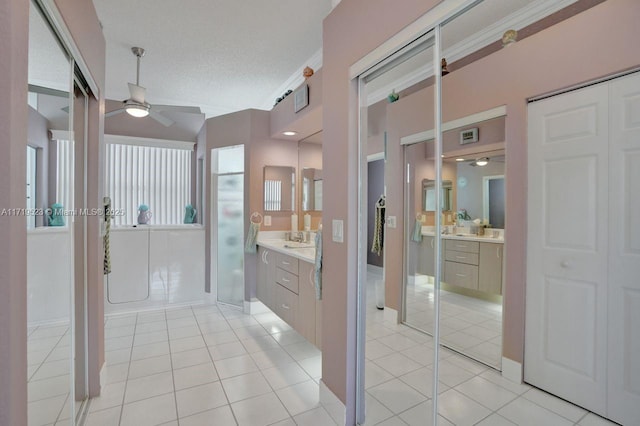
228	221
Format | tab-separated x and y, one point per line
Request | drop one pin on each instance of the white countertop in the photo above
306	254
488	236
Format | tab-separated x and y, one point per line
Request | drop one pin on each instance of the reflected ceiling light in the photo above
509	37
136	109
459	159
289	133
482	161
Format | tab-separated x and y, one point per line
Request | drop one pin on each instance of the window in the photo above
156	176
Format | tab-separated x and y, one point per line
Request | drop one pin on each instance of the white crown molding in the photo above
295	80
524	17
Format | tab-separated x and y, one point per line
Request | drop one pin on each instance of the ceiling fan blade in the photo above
184	109
160	118
114	112
137	92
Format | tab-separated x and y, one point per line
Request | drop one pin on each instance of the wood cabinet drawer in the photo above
460	245
287	263
286	306
461	257
461	274
287	279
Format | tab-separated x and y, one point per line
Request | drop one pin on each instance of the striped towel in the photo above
106	266
378	234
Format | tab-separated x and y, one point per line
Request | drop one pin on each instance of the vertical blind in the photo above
157	177
64	173
272	195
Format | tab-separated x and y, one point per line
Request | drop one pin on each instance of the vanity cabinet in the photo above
286	285
474	265
266	284
427	261
490	268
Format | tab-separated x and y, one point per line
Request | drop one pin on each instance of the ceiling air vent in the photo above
469	136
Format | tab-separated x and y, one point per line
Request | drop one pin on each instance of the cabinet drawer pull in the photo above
461	257
461	245
460	275
432	243
285	306
285	263
498	252
285	280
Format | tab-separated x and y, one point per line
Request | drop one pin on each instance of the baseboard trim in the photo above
391	315
511	370
336	409
254	307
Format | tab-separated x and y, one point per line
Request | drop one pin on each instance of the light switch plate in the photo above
267	221
337	231
391	221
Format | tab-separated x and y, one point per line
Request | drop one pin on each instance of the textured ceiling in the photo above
220	55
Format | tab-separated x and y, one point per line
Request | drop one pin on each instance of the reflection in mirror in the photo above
311	189
279	188
429	195
50	259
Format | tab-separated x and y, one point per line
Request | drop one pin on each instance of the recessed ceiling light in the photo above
459	159
289	133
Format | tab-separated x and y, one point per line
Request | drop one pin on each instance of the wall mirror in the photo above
279	188
480	188
311	189
429	195
310	165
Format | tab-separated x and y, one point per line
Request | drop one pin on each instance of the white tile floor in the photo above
469	325
48	366
208	365
214	365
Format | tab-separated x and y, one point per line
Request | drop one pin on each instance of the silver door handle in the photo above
565	264
285	306
498	252
432	243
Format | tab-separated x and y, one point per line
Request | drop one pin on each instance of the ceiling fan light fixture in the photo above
136	109
482	161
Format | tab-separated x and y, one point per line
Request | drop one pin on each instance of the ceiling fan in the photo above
137	106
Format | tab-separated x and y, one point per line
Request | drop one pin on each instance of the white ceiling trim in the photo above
158	143
518	20
489	114
294	81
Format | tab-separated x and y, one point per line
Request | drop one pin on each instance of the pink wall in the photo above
595	43
307	121
14	22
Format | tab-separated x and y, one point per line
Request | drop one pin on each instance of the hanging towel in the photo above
417	232
378	234
252	238
106	265
317	272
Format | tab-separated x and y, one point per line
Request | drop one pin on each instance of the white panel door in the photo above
566	340
624	251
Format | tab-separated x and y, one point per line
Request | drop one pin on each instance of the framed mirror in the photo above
429	195
279	188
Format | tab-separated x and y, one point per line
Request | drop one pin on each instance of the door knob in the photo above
565	264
